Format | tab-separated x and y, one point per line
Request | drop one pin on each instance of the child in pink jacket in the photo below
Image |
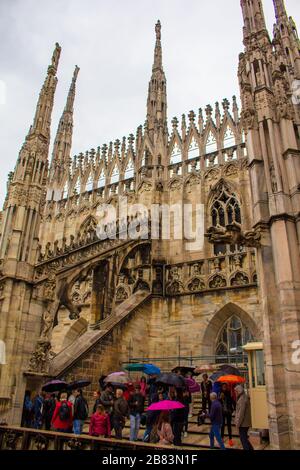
100	423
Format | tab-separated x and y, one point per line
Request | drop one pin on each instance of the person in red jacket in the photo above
62	419
100	423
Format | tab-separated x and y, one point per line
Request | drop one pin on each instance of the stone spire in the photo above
26	193
280	10
254	18
42	119
286	40
63	140
157	95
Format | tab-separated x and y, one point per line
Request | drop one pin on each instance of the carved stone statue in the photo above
47	322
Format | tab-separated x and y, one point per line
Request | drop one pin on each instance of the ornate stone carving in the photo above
232	235
217	281
239	279
195	284
40	358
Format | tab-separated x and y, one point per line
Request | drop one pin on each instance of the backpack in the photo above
64	412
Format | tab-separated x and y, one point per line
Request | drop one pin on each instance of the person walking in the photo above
187	400
38	404
206	389
136	409
62	418
100	423
178	419
49	407
120	413
227	410
80	412
216	419
243	416
164	429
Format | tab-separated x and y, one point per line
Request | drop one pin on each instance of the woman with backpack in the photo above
62	418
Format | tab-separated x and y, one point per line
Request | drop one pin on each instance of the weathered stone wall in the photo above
153	332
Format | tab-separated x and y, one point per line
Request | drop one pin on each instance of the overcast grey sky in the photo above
112	41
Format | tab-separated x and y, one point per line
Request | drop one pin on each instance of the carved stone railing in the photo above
228	271
17	438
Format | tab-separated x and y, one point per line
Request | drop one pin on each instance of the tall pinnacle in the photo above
42	119
63	139
157	94
158	50
280	10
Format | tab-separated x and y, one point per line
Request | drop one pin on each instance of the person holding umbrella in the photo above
227	410
164	429
48	410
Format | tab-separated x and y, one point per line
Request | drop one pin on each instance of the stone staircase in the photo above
70	355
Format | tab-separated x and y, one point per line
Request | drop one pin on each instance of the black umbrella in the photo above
185	369
230	370
225	369
174	380
55	386
78	384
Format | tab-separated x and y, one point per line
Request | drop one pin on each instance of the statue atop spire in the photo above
158	50
56	56
157	95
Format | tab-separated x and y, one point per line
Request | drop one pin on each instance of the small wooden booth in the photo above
257	385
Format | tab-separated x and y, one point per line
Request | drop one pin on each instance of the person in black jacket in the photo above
216	419
227	408
136	409
80	412
48	410
178	419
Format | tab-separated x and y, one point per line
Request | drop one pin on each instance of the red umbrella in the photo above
165	405
231	379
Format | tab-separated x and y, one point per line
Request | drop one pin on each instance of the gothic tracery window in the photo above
229	138
225	210
231	339
129	170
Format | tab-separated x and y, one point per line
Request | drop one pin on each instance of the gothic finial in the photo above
55	59
175	123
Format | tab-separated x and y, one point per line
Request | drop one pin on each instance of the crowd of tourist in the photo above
68	411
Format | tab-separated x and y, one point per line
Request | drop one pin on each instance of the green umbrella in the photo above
135	367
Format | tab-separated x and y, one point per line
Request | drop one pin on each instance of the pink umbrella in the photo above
165	405
192	385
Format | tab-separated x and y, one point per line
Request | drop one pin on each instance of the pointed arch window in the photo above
229	138
176	155
225	210
101	180
129	170
211	143
231	339
193	150
89	183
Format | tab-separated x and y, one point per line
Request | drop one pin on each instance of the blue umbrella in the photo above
150	369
